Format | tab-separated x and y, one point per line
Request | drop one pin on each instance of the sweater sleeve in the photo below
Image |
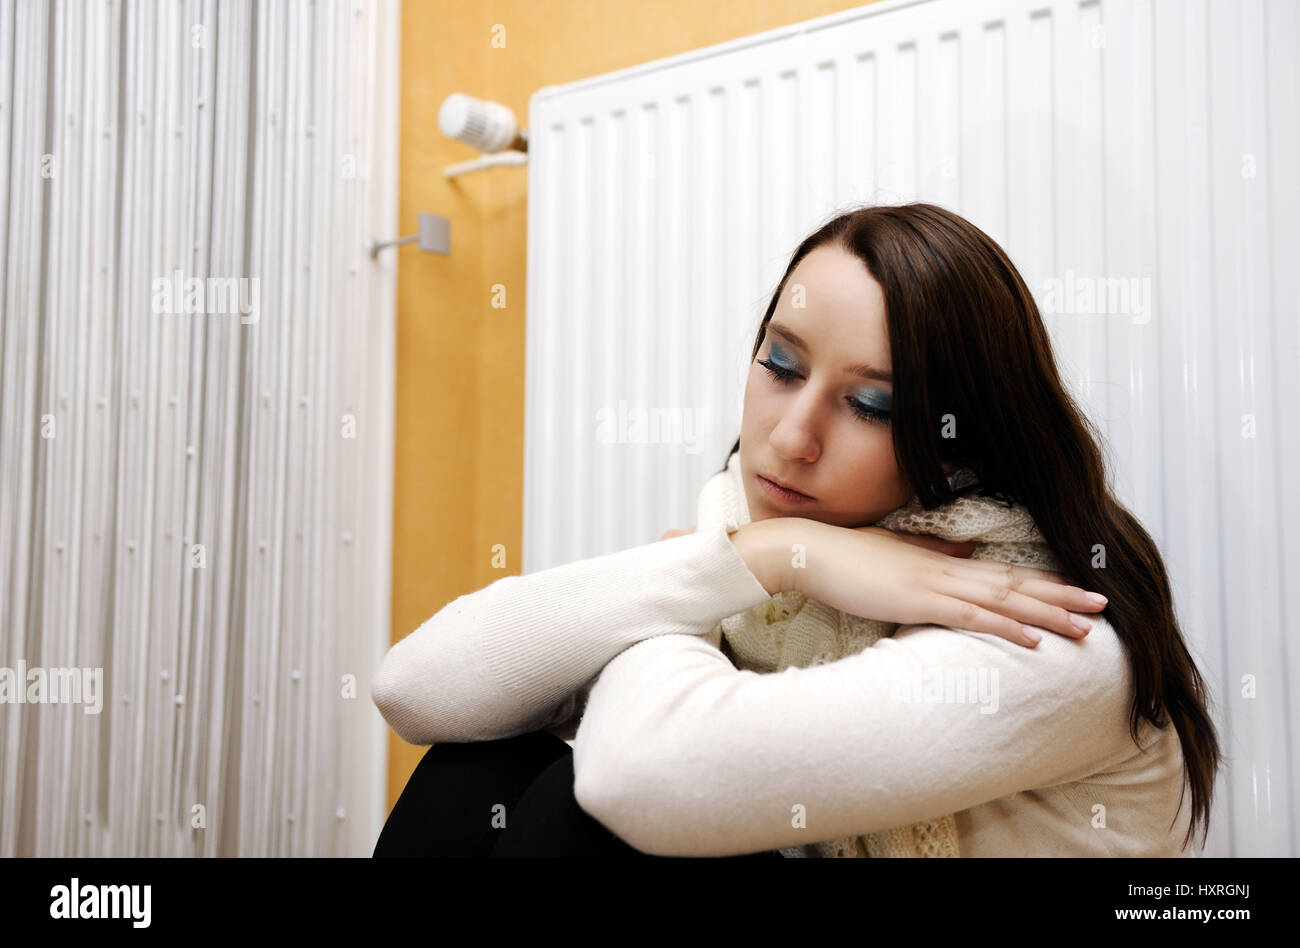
515	656
681	754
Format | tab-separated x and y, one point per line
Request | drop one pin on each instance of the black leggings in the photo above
450	805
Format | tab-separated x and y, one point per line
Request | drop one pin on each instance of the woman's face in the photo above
826	430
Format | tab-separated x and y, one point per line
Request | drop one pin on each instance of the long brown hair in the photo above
967	341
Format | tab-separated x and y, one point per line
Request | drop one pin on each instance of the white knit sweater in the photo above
680	753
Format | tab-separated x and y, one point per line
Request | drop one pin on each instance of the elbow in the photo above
604	800
430	685
613	790
593	784
393	694
386	686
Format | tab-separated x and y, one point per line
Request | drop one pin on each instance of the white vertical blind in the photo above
196	498
1106	139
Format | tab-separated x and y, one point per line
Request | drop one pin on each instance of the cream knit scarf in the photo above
790	630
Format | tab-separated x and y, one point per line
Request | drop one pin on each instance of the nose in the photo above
795	436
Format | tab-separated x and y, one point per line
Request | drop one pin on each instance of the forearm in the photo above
501	660
681	754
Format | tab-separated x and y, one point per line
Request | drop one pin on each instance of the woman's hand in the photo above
893	577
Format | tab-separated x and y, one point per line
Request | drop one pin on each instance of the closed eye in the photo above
865	412
779	373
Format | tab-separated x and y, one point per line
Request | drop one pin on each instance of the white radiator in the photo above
1152	141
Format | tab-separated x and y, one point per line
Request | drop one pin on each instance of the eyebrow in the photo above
863	369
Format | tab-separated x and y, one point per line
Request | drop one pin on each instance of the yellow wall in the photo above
460	363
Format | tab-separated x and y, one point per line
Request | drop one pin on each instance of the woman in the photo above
684	751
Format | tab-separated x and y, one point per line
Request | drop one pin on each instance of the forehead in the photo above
837	307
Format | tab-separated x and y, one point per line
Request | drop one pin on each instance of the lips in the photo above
780	483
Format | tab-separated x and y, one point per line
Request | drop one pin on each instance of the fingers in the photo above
960	614
1028	572
1023	605
1039	583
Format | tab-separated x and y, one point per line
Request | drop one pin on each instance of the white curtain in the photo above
195	425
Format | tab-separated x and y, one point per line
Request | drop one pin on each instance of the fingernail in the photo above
1083	625
1032	634
1098	598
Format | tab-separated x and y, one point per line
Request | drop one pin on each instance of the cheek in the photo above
902	490
886	481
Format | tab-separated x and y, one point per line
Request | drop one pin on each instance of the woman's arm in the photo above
680	754
508	659
906	579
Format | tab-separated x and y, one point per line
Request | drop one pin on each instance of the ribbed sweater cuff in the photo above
551	631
